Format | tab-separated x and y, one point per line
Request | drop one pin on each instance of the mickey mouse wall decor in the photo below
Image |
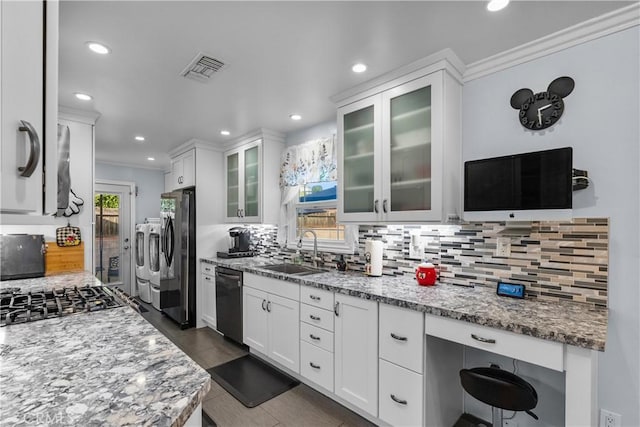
543	109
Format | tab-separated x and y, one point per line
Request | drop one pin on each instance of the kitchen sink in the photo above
298	270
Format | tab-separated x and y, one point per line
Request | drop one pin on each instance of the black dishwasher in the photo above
229	303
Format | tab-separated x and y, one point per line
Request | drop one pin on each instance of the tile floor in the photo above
300	406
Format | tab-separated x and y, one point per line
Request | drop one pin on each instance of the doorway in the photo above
114	233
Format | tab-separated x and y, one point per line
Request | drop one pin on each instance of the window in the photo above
315	209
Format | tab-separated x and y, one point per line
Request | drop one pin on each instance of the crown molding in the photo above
76	115
601	26
444	59
260	133
129	165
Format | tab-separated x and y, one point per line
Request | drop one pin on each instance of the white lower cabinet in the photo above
316	364
356	352
270	322
208	295
402	343
401	395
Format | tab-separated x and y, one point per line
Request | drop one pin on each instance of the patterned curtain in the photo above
312	161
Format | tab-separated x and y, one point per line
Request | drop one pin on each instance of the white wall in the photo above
601	124
150	184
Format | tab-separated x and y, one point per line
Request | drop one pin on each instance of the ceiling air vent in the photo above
202	67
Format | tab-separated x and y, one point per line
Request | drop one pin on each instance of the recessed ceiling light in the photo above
98	48
139	138
225	132
151	159
295	117
83	96
496	5
359	68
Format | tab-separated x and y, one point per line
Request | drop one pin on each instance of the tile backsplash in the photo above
555	260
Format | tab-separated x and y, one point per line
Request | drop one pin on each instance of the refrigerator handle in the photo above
170	246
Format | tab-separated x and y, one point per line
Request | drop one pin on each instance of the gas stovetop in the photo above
17	307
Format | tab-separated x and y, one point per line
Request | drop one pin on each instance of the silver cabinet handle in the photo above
34	149
384	206
400	401
269	306
335	308
313	337
207	278
263	303
375	205
398	337
481	339
314	317
241	213
314	366
315	298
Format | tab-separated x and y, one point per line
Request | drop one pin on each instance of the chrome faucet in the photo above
315	244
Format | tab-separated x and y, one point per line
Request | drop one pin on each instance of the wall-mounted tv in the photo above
527	186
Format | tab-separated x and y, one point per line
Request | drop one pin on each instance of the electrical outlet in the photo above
503	246
610	419
416	247
509	423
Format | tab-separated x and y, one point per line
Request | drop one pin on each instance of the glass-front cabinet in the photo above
243	183
391	154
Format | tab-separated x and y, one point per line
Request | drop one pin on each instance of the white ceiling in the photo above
282	57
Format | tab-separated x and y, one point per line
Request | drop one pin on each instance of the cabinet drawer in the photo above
316	365
316	336
316	297
317	316
401	395
402	336
522	347
273	286
209	269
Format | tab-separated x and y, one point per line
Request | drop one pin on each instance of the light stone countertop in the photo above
109	368
566	322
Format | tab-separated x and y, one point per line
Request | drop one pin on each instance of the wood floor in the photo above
300	406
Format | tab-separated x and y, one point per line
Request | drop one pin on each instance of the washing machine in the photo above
154	263
142	262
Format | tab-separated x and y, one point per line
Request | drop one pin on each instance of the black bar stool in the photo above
500	389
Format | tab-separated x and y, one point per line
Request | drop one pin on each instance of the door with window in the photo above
113	242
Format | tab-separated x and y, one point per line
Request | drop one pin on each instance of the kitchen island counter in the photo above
108	367
567	322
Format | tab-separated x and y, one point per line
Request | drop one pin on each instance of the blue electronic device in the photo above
510	290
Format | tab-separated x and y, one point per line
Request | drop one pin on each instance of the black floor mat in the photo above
251	380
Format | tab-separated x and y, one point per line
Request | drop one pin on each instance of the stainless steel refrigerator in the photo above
178	256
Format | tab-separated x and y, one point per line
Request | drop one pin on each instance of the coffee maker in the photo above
239	244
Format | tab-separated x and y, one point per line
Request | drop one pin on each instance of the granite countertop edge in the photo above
564	330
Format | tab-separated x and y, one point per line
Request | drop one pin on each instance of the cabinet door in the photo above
254	319
208	300
359	160
177	168
189	169
250	209
412	144
356	352
284	331
233	186
22	100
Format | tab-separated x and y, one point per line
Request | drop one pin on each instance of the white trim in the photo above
127	165
132	225
77	115
594	28
445	59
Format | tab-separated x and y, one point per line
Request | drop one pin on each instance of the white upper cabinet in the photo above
29	125
183	170
399	149
252	170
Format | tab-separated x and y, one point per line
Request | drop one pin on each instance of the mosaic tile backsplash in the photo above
554	260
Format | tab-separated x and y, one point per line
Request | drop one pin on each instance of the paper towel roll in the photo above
373	252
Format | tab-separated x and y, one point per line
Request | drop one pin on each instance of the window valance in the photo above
312	161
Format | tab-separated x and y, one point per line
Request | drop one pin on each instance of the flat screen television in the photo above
519	187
